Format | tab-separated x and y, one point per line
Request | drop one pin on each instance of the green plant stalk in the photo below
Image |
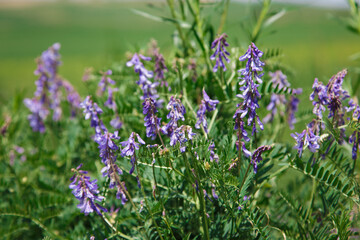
162	204
223	17
181	34
192	110
243	181
239	146
213	119
312	198
201	199
200	38
259	23
146	202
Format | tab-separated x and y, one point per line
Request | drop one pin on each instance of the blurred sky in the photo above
313	3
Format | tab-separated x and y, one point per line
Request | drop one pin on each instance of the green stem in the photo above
223	17
240	144
181	34
243	181
162	204
257	28
194	113
146	202
201	198
312	198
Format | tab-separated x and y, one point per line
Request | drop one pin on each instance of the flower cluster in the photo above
92	111
250	94
213	155
279	80
179	136
207	104
306	138
105	81
330	96
129	148
256	156
148	87
48	90
176	113
152	122
220	52
86	192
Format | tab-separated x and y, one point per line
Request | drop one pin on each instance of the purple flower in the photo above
306	138
250	94
215	196
201	118
106	145
207	104
160	66
256	157
139	68
129	148
110	103
92	110
355	136
213	155
152	122
38	116
179	136
86	192
220	52
73	96
148	87
131	145
176	113
277	100
105	80
116	123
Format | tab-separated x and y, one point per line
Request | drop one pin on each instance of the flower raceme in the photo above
148	87
48	94
278	100
250	94
207	105
176	113
306	138
152	122
86	192
129	148
220	52
179	136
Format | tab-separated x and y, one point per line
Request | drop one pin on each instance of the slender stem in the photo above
312	198
213	119
201	198
157	129
192	110
240	144
223	17
146	202
181	34
246	173
257	28
162	204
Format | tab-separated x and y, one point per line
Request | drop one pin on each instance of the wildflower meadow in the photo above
209	140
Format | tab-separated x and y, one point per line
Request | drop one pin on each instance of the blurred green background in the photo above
95	34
